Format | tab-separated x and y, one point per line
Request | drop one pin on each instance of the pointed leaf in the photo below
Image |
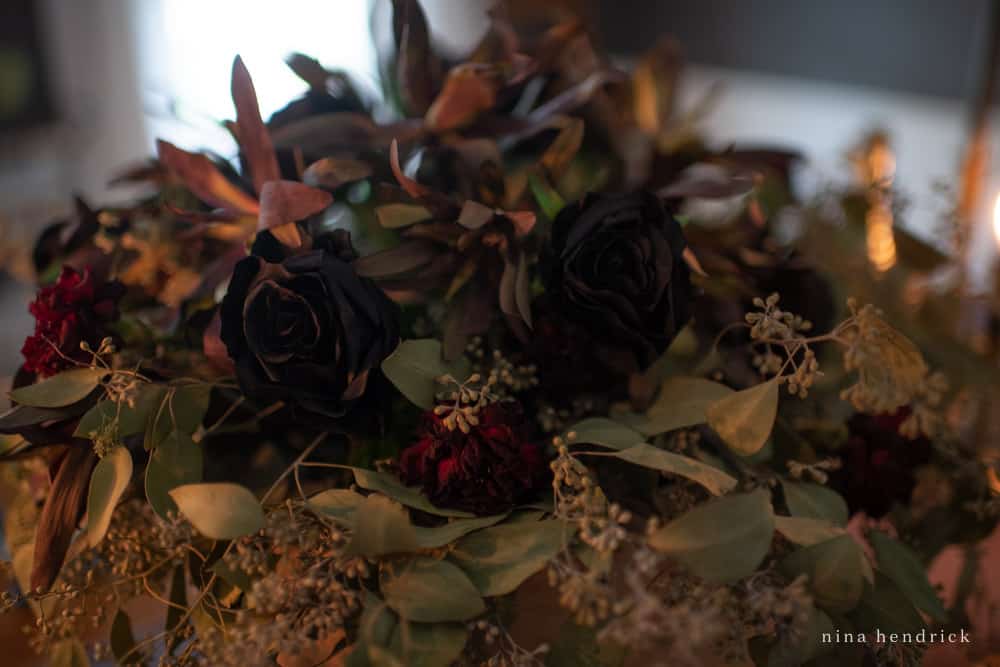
221	511
648	456
469	89
522	290
604	432
550	201
123	641
60	390
901	565
744	419
204	179
410	496
432	591
407	256
283	203
417	68
108	482
564	148
723	540
253	137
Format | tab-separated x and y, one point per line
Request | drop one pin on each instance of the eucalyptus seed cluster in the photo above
817	472
460	407
506	651
777	329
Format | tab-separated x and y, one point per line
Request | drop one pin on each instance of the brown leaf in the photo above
418	70
62	511
564	148
308	69
469	90
523	221
328	133
318	653
332	172
285	202
474	215
414	189
405	257
253	137
213	347
508	289
469	315
395	216
204	180
654	84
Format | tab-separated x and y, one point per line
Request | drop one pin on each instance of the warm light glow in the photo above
879	239
996	218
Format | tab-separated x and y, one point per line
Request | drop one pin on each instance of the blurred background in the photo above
85	88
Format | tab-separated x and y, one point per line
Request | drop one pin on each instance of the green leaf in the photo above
903	567
681	402
131	419
339	504
177	460
648	456
438	536
384	640
415	366
390	486
381	527
837	570
885	607
744	419
806	531
604	432
813	501
500	558
178	598
221	511
432	591
795	649
68	653
723	540
108	482
395	216
550	201
188	406
64	389
123	641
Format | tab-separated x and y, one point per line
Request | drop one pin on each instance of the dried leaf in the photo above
329	133
394	216
469	90
332	172
283	203
221	511
564	148
62	511
205	180
254	140
414	189
108	482
474	215
407	256
744	419
417	68
522	290
309	70
654	84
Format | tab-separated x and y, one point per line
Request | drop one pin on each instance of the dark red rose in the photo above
879	465
307	330
488	470
75	309
615	266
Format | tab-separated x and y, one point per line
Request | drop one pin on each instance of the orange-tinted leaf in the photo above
285	202
332	172
654	84
564	148
418	70
469	90
204	180
524	221
414	189
253	136
474	215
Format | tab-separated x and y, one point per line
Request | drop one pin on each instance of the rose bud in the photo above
486	470
615	267
308	330
74	310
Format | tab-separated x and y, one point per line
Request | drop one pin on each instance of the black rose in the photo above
615	267
308	331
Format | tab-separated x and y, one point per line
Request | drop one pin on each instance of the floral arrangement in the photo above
430	390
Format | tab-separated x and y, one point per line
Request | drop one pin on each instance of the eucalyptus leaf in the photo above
221	511
390	486
813	501
431	591
903	567
68	653
604	432
716	481
438	536
338	504
177	460
884	607
837	570
806	531
415	366
744	419
108	482
384	639
500	558
723	540
129	419
681	402
60	390
381	527
798	648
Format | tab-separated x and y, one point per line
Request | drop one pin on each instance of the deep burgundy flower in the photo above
75	309
879	465
615	266
485	471
307	330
